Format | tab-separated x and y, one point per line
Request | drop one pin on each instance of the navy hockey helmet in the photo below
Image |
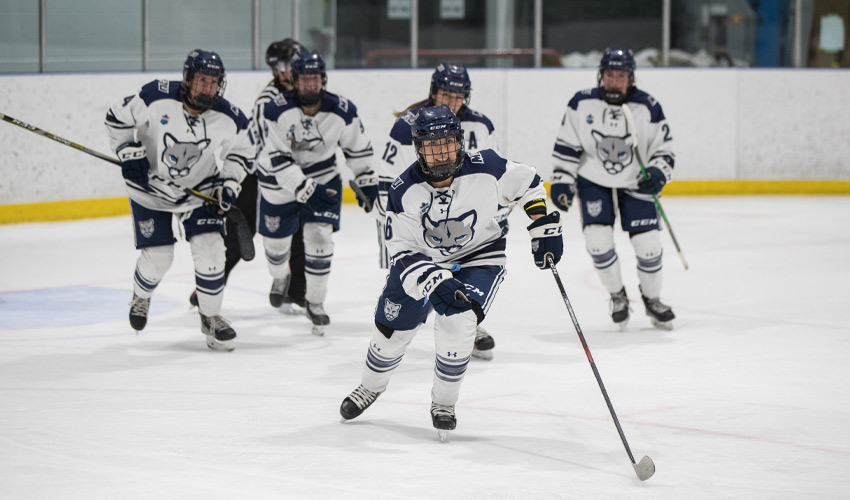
435	123
308	62
205	63
621	60
451	78
281	52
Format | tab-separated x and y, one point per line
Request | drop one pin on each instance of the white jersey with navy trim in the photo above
267	95
429	228
594	140
297	146
193	151
398	153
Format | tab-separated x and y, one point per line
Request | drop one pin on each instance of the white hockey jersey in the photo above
267	95
478	134
299	146
595	143
190	151
430	228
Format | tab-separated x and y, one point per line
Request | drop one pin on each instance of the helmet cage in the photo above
205	63
450	78
620	60
435	123
308	62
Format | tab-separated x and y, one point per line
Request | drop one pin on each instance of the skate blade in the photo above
623	324
291	309
661	325
318	331
485	355
443	435
218	345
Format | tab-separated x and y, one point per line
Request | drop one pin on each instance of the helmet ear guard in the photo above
431	124
205	63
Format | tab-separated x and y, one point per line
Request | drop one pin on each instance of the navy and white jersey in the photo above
267	95
193	151
478	134
428	228
595	142
297	145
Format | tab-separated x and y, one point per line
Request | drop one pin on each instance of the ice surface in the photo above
748	397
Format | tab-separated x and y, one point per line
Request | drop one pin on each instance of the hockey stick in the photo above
630	120
243	233
646	467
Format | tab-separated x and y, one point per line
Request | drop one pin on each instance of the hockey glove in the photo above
134	163
448	298
654	182
365	188
227	194
316	196
563	189
546	239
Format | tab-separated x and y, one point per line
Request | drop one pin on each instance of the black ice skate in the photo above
320	319
443	418
139	312
357	402
484	344
278	291
620	308
659	313
220	336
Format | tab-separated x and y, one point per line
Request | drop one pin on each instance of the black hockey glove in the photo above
316	196
448	298
546	239
563	189
134	163
365	188
654	182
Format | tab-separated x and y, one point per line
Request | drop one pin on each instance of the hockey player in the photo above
450	85
166	137
594	158
284	294
299	180
448	253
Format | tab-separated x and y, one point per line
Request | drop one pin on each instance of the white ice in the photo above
748	397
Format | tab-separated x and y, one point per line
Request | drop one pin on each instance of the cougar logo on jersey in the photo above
180	157
449	235
615	152
146	227
305	137
594	208
272	223
391	309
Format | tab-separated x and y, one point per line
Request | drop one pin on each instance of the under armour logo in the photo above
452	354
375	346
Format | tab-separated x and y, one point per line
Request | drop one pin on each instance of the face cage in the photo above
202	102
614	97
440	172
309	99
435	88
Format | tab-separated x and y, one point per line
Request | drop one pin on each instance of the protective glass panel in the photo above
18	36
93	35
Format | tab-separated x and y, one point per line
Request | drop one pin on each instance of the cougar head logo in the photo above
180	157
449	235
615	152
305	137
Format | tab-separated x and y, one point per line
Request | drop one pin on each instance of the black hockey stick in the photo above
361	196
243	232
646	467
630	120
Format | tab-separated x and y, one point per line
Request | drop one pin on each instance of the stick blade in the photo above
645	468
243	233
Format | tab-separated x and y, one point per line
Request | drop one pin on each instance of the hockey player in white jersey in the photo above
594	159
300	181
450	85
167	137
448	253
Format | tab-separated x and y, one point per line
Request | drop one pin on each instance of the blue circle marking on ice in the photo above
67	306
